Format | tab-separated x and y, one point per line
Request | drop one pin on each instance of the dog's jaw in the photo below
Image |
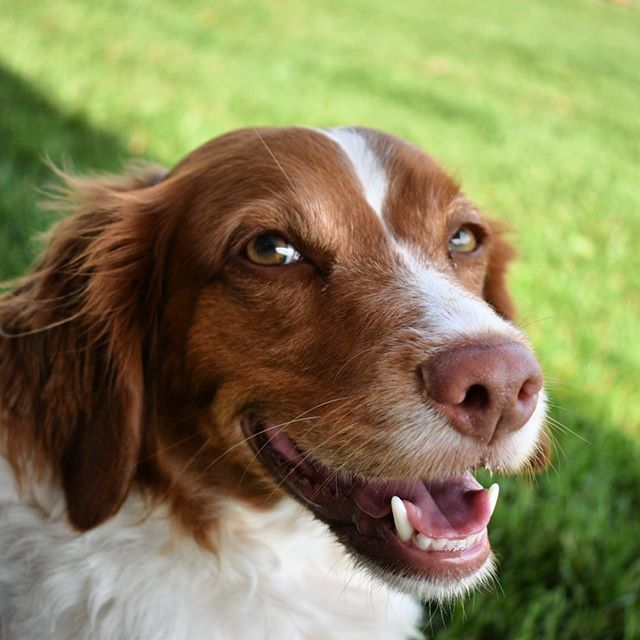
427	539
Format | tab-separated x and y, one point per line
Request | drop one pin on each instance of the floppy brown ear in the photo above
495	292
72	362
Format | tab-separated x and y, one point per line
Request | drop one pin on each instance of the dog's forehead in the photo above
366	160
406	189
348	186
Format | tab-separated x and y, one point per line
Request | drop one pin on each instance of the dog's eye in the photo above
270	250
464	240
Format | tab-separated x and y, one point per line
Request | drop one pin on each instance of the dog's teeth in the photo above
440	543
401	520
422	542
494	490
425	543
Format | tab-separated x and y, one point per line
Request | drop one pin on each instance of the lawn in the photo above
535	106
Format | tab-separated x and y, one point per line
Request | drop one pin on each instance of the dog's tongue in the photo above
456	507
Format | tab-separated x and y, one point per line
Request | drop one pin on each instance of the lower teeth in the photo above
425	543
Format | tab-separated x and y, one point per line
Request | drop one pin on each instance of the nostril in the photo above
529	389
484	388
476	398
524	395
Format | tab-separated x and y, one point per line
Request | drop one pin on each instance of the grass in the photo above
535	105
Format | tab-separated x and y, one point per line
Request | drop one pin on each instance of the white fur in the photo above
449	315
454	315
441	591
366	164
277	574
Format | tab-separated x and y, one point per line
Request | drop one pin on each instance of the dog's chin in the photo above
427	539
433	589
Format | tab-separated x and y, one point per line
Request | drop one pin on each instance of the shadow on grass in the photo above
31	128
568	546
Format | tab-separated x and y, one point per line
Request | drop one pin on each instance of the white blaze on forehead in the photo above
366	164
450	311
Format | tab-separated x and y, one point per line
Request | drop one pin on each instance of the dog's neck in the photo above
276	573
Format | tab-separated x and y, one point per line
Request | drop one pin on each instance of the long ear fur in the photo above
495	284
72	341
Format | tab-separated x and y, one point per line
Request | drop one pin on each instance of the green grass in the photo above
535	105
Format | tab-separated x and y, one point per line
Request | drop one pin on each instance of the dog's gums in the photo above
427	530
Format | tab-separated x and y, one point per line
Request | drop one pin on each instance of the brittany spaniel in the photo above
244	398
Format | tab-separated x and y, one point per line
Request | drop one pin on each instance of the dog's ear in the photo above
73	337
495	291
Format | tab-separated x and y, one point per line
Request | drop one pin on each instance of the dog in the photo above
244	398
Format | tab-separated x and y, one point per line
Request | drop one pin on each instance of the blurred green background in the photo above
535	106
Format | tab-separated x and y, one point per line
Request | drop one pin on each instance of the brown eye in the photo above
271	250
464	240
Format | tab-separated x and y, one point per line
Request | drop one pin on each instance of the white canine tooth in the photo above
401	520
494	490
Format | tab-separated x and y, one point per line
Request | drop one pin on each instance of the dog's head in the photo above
288	311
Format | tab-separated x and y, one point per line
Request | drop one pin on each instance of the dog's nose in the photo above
484	389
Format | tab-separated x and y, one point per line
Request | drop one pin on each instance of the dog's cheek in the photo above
542	456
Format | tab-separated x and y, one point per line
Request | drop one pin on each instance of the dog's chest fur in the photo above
278	574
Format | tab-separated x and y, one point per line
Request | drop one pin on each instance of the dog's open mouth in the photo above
413	528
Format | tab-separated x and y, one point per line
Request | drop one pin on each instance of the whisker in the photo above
250	437
266	444
298	418
183	470
559	407
524	325
169	447
556	424
306	455
353	357
266	146
550	383
233	447
310	452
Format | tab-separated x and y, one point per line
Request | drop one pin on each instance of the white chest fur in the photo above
278	575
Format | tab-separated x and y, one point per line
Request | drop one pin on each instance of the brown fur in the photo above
142	335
